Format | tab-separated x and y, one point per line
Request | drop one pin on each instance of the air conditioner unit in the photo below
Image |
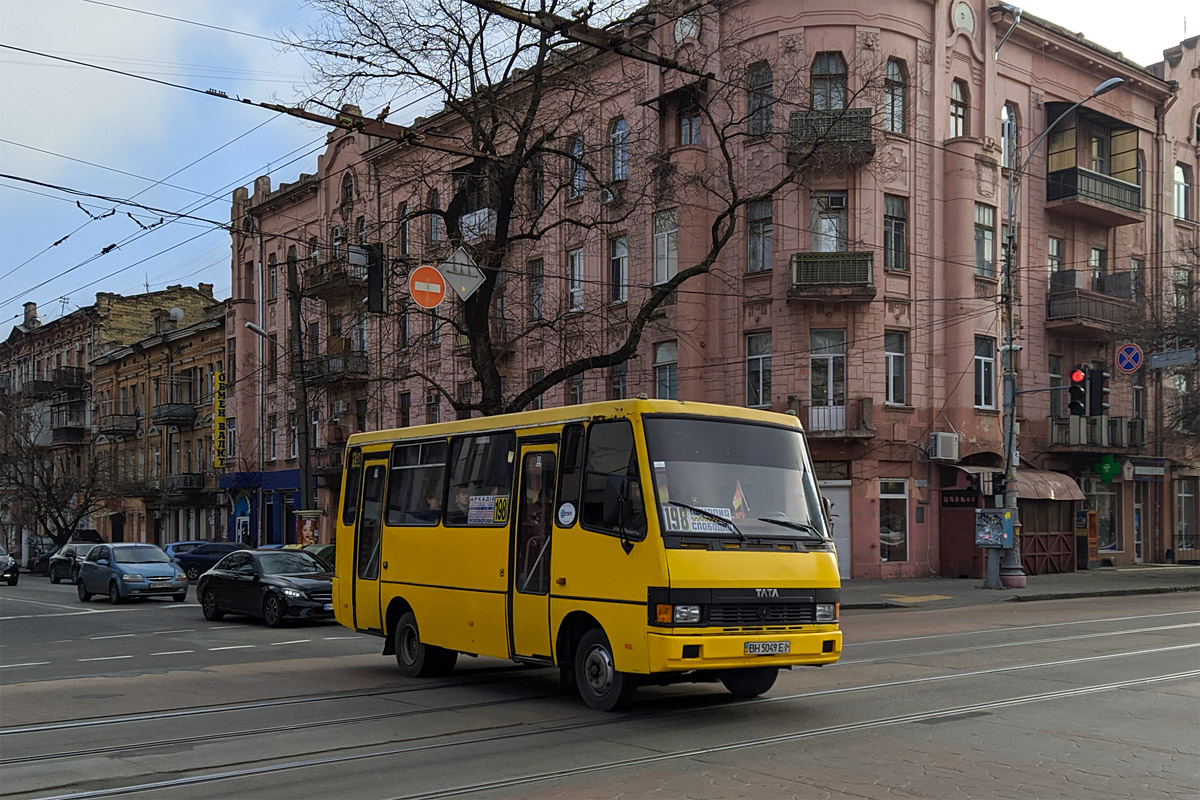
607	196
340	407
943	446
836	201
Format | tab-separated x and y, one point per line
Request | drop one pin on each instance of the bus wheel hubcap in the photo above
598	670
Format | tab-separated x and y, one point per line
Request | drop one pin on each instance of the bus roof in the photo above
562	414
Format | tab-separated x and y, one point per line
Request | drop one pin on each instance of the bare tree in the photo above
1176	320
572	145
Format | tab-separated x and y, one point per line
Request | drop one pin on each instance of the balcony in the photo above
68	422
326	460
853	420
118	424
335	279
349	365
37	390
136	487
832	277
832	141
1078	305
69	379
1102	434
1092	196
478	224
181	415
185	482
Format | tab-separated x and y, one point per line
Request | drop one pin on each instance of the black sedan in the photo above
205	556
277	585
65	564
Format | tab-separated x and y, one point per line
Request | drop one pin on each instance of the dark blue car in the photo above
201	559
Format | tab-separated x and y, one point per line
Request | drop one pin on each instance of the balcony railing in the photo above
1094	196
853	419
37	390
831	276
68	422
69	378
350	364
326	460
1103	432
832	139
335	277
180	414
185	482
118	424
1087	311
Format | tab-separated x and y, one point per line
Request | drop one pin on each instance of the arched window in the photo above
1196	139
958	109
895	96
402	229
759	99
618	144
1009	140
1183	192
435	220
829	82
347	189
575	187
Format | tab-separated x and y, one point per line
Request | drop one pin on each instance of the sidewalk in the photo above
937	592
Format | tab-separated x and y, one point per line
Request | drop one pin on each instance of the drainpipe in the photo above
1160	165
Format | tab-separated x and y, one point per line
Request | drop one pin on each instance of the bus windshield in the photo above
755	475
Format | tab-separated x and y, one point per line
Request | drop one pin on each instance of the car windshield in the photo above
755	475
284	562
140	554
3	552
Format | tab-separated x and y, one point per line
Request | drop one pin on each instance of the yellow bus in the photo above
625	542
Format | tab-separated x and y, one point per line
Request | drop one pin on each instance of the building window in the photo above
402	230
537	290
360	230
958	109
1100	161
1183	289
578	173
688	116
575	390
292	434
272	422
534	377
985	241
616	381
893	519
666	244
895	90
759	99
435	329
272	278
666	371
464	396
985	372
575	280
827	379
435	218
1009	143
1137	271
405	409
1185	513
1056	379
758	370
230	438
1183	192
829	82
618	145
347	189
1098	263
618	269
537	183
761	234
1104	501
895	348
1054	254
895	232
1138	405
432	408
314	251
830	224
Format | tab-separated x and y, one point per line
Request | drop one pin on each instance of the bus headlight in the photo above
686	615
827	612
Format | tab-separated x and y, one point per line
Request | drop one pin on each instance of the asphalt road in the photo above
1090	698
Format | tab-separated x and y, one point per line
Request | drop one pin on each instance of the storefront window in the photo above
1185	513
1103	499
893	520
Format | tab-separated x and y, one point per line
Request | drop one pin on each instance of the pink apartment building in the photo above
865	296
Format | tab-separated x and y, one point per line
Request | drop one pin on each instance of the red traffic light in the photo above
1078	376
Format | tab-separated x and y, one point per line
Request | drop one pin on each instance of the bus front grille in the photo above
761	614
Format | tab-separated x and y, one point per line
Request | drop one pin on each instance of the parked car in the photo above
64	565
41	549
126	570
9	571
324	552
86	535
196	561
277	585
174	549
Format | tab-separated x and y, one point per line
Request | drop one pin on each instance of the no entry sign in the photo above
427	287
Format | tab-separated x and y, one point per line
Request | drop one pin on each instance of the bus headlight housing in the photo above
827	612
686	615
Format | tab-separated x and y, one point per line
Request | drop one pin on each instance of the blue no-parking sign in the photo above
1129	358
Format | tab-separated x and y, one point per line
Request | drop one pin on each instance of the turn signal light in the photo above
664	613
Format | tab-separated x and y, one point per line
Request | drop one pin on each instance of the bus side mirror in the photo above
827	509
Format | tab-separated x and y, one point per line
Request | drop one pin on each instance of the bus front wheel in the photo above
750	682
600	684
415	658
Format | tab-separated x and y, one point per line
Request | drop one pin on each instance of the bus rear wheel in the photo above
601	686
750	682
415	658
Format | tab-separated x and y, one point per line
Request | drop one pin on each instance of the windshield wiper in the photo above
796	525
710	515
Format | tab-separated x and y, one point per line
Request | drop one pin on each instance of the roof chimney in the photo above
32	320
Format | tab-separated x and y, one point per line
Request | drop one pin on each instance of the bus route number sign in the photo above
682	520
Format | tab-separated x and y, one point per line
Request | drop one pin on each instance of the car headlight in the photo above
132	578
293	593
827	612
181	576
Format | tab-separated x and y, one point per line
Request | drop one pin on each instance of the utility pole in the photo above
299	388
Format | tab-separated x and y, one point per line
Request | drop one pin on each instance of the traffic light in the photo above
1097	392
1078	393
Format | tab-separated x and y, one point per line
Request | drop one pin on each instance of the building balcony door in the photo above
827	380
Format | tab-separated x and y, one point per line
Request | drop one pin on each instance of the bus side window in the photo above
481	467
414	495
611	454
350	495
570	476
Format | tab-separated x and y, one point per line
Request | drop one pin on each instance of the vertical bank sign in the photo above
218	419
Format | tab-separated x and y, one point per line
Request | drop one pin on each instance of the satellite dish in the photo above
176	314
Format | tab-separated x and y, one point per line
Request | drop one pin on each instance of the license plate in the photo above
327	607
767	648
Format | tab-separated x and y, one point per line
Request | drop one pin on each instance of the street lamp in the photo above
301	399
1011	574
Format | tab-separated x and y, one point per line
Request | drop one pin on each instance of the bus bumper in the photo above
679	652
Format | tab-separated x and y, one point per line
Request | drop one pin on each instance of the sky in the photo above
80	128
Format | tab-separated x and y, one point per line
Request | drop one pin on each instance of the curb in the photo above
1029	598
876	605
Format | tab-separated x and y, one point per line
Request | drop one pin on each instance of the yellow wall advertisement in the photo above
218	419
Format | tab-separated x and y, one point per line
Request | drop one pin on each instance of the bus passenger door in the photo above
533	524
367	531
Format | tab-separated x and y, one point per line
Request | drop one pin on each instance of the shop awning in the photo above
1042	484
